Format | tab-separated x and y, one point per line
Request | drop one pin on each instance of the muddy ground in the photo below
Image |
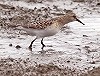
74	51
19	67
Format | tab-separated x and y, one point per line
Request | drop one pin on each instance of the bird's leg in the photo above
42	44
30	47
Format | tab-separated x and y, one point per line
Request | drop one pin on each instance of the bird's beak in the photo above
80	21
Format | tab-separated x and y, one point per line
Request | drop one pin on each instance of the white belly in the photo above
41	33
47	32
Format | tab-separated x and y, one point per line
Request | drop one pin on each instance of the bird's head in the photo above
72	16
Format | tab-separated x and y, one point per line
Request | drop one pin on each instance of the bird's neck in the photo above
63	20
59	22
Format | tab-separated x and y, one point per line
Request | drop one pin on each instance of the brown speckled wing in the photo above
39	24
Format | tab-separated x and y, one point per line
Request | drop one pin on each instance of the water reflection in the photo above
44	56
46	52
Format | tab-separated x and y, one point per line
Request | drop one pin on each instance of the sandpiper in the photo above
46	28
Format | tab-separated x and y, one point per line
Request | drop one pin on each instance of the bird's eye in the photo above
74	16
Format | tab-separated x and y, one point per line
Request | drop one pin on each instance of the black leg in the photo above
42	44
30	47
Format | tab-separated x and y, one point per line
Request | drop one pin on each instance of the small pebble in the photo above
17	47
10	44
93	62
85	36
87	47
77	45
68	61
98	4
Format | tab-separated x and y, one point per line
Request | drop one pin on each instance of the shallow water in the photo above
75	46
80	46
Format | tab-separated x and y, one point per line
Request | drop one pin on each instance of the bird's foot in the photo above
43	46
30	48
